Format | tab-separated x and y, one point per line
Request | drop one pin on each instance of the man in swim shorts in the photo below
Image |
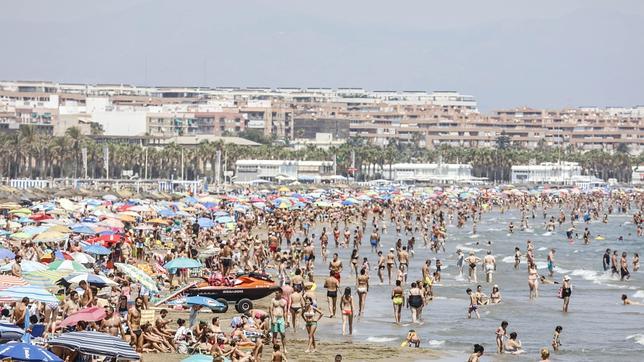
331	284
277	311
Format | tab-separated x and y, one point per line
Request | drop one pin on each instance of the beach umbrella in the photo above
21	211
221	213
10	332
50	237
26	352
97	250
166	213
83	229
224	219
93	279
63	255
4	233
9	206
182	263
7	281
27	266
112	223
137	275
110	197
205	222
41	216
157	221
6	254
60	228
71	265
45	278
96	343
206	302
21	236
83	258
16	293
91	314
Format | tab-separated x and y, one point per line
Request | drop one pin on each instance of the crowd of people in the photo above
288	242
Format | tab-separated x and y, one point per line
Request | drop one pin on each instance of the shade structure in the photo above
101	344
7	281
10	332
45	278
26	352
138	275
93	279
158	221
182	263
6	254
112	223
205	223
16	293
198	358
27	266
83	229
224	219
50	237
92	314
206	302
97	250
67	265
83	258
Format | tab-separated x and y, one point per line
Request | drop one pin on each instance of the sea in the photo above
596	328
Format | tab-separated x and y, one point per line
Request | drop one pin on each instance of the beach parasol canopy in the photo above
93	279
97	250
10	332
97	343
198	358
45	278
137	275
205	222
50	237
91	314
206	302
16	293
83	229
157	221
83	258
71	265
7	281
182	263
6	254
27	266
26	352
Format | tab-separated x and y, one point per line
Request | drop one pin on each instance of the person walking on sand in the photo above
277	313
362	289
311	316
331	284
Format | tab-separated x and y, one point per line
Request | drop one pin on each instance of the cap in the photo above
566	277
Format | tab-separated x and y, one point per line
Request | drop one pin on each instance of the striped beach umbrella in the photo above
93	279
27	266
138	275
16	293
45	278
10	332
96	343
7	281
71	265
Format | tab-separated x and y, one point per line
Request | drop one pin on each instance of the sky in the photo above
547	53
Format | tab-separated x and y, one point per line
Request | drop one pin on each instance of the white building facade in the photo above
430	172
637	177
563	173
277	170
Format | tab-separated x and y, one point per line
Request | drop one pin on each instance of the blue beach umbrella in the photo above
97	250
83	229
205	222
26	352
182	263
10	332
6	254
206	302
224	219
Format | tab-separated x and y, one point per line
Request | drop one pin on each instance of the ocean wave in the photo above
547	233
637	338
381	339
592	276
467	248
508	259
542	248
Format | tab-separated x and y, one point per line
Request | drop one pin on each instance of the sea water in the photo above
596	328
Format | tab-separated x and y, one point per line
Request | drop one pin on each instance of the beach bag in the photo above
560	293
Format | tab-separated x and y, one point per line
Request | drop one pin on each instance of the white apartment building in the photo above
276	170
637	177
546	173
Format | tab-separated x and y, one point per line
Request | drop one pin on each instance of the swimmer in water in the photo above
627	301
478	352
556	342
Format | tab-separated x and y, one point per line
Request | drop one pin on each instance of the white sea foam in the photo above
381	339
547	233
592	276
542	248
637	338
639	294
468	249
435	342
561	270
508	259
474	236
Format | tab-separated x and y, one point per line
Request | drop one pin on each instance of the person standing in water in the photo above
471	261
397	299
623	268
566	292
556	342
533	281
346	305
517	257
476	355
606	260
381	267
473	307
501	332
459	261
416	302
551	262
490	266
363	288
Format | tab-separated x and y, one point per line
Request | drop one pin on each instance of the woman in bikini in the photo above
397	299
363	288
296	305
415	301
346	306
311	316
533	282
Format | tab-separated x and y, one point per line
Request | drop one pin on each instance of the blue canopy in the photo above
10	332
180	263
97	250
166	213
83	229
205	222
26	352
206	302
224	219
7	254
101	344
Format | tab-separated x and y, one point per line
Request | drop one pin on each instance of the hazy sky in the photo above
546	53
